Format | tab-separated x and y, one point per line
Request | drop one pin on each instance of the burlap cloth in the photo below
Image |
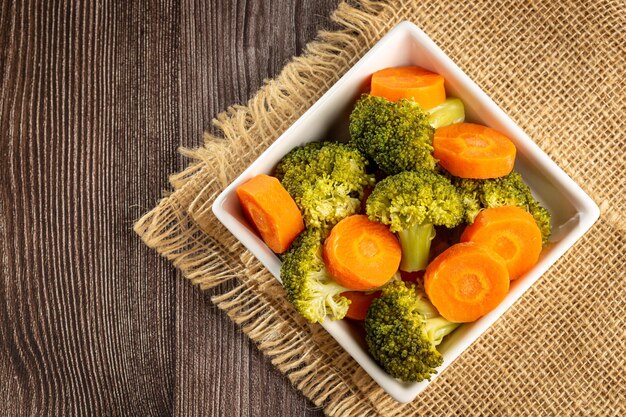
558	69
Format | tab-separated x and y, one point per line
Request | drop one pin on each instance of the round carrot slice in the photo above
361	254
466	281
269	207
413	83
468	150
512	233
359	303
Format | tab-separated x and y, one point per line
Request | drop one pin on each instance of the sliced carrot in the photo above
361	254
269	207
359	303
413	83
468	150
509	231
466	282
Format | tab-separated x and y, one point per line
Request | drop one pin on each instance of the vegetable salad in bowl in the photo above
414	226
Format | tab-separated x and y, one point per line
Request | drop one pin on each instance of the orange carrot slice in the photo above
468	150
269	207
361	254
359	303
466	281
413	83
512	233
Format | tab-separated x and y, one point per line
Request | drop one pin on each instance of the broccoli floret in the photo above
412	203
309	287
395	135
470	192
509	190
542	217
402	331
326	180
324	202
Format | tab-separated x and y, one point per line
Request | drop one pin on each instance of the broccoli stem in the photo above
426	308
437	328
415	243
449	112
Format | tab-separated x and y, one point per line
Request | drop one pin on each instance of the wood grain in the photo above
95	99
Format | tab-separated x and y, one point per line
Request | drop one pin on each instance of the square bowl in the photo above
573	211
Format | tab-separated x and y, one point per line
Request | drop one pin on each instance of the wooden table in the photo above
96	98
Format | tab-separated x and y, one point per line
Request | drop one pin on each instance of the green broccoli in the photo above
542	217
398	136
309	287
395	135
509	190
326	180
402	330
412	203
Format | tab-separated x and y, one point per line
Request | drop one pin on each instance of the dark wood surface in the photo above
96	97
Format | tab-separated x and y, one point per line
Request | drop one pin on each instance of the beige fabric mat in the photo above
558	69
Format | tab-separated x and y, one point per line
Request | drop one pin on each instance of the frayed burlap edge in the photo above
183	229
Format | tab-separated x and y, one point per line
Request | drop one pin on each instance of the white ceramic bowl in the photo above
573	211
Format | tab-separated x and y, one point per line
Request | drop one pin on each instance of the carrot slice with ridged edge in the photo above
509	231
413	83
469	150
361	254
273	212
359	303
466	281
